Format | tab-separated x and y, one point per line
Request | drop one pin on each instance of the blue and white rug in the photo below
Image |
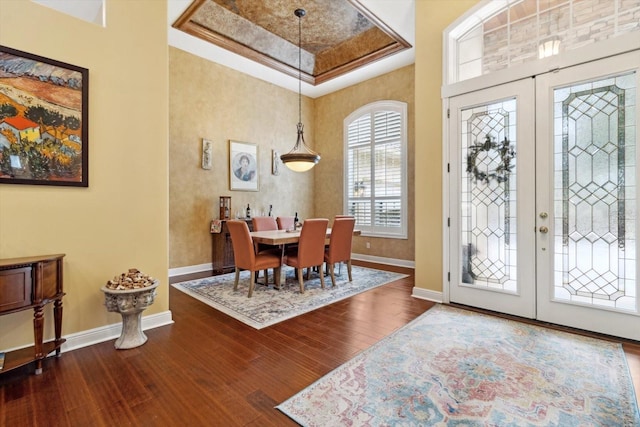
269	305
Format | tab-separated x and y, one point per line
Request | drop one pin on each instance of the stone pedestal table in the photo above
130	303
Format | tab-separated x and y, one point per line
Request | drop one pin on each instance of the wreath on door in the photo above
501	173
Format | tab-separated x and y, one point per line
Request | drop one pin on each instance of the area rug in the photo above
452	367
268	305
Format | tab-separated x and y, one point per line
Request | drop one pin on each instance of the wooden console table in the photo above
32	282
222	250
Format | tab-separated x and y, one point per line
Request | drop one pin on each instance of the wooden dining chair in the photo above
339	249
310	251
265	223
247	259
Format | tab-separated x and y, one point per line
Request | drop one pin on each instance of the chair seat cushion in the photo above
267	260
291	259
272	251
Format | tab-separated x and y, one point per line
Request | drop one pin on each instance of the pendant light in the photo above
301	158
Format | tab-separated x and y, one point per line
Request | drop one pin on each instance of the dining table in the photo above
283	237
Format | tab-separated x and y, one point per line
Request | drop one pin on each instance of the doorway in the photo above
543	197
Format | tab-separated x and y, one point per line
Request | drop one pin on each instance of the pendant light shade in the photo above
301	158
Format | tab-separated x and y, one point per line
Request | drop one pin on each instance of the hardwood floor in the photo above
208	368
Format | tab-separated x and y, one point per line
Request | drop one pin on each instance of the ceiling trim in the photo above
240	49
398	14
398	43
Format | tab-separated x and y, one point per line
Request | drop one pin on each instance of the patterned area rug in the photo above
268	305
452	367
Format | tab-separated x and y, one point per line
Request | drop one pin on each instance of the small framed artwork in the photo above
275	162
44	131
243	166
207	152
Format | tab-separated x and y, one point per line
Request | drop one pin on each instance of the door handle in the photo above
544	229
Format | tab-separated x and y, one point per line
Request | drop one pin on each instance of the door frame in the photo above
630	331
601	49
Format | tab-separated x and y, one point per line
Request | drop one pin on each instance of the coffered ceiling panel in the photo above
338	36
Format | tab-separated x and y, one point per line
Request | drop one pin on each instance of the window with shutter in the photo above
375	168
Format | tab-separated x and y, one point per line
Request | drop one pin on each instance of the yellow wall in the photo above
121	219
432	17
330	112
210	101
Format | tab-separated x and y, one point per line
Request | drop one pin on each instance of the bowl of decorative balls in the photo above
130	294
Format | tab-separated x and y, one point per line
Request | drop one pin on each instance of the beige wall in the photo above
330	112
238	107
210	101
121	219
432	17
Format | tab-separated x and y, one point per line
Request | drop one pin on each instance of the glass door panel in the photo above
587	263
491	251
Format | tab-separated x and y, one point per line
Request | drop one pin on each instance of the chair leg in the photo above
300	280
266	277
235	283
349	269
332	272
321	276
251	285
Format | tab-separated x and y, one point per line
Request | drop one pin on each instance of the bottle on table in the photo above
248	211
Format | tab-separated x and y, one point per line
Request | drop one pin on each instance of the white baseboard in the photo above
109	332
384	260
179	271
427	294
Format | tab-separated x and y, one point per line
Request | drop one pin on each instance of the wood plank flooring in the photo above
208	369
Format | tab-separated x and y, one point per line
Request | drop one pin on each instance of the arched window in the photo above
375	168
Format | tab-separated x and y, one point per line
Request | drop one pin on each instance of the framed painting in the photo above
243	166
44	111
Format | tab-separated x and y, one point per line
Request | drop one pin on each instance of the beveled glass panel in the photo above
488	199
595	193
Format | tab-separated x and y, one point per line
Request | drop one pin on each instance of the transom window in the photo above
375	168
500	34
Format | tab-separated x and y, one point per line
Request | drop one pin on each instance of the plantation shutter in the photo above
375	178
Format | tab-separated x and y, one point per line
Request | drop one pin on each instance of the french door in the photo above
491	172
544	217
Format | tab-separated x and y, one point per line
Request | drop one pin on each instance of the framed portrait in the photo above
243	166
207	153
44	111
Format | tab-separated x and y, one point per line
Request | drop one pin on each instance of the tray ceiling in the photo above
338	36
